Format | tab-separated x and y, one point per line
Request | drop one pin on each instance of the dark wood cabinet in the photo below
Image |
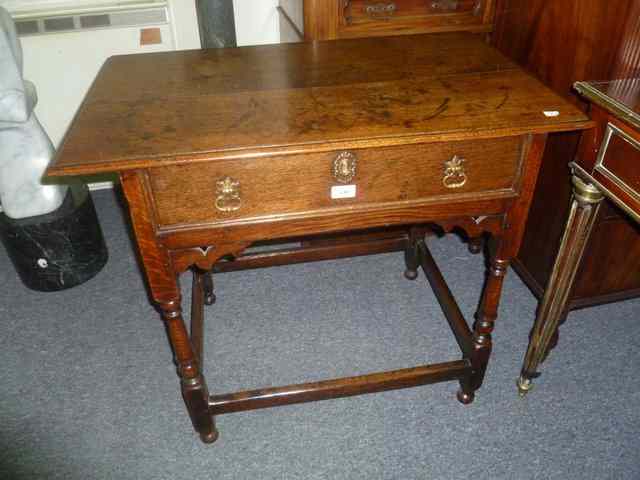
333	19
562	42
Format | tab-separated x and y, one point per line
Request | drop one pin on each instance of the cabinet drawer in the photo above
269	187
387	17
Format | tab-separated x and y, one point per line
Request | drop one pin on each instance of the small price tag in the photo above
343	191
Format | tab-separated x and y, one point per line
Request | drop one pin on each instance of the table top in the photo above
159	109
620	97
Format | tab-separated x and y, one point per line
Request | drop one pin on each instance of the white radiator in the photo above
66	43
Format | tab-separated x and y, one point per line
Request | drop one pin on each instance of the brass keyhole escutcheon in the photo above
228	197
344	167
455	175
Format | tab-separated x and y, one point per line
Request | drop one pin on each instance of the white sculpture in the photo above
25	148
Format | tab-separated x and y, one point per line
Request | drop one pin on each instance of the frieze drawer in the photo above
258	188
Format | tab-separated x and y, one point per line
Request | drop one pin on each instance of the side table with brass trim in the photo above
607	165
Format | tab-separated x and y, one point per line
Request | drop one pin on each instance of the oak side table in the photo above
607	165
219	149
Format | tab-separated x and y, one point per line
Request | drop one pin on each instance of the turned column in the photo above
485	321
584	207
194	388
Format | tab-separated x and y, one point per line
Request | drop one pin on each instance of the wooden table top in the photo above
169	108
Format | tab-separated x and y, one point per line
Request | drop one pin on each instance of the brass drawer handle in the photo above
228	199
344	167
453	6
382	11
444	5
454	173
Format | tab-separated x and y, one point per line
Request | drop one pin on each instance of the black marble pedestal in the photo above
58	250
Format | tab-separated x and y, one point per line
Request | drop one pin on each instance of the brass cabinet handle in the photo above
454	173
228	197
453	5
344	167
444	5
380	10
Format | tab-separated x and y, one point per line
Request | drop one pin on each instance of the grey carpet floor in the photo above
88	388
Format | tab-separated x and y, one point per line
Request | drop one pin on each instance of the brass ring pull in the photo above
454	173
228	198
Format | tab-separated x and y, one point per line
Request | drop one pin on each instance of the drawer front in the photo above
270	187
398	16
618	165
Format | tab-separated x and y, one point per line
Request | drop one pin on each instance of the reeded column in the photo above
584	207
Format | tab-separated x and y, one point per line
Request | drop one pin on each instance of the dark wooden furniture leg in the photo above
475	244
584	207
194	388
412	254
208	289
198	298
485	320
165	291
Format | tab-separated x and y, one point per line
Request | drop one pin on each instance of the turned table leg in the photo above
194	388
162	278
475	245
412	255
584	206
483	327
208	289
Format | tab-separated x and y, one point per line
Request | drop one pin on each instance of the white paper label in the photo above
343	191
